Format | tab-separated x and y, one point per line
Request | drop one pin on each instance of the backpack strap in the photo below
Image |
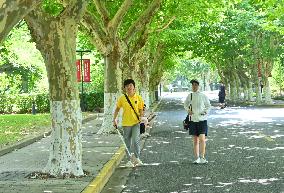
129	102
190	106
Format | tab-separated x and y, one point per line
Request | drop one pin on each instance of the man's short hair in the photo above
194	81
129	81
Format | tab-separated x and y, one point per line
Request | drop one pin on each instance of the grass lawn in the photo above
15	127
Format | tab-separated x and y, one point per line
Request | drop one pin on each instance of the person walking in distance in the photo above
132	105
222	95
197	105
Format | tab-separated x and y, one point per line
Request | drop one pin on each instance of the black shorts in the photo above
221	99
197	128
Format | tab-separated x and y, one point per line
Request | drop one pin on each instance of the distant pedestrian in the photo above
222	95
197	105
132	105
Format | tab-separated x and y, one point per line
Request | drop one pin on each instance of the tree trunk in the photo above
250	91
11	12
55	37
112	89
267	92
258	91
66	150
233	88
145	90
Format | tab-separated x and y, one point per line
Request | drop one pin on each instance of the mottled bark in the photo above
250	91
55	37
266	85
267	91
105	31
11	12
112	90
233	88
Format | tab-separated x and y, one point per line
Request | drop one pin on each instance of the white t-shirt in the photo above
200	106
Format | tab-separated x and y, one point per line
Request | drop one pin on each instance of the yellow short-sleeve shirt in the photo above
128	116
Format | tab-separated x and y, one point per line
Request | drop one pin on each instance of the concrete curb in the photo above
102	178
97	185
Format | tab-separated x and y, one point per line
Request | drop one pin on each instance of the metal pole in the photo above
82	82
82	76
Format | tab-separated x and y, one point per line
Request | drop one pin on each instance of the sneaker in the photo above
129	164
138	162
147	135
203	161
197	161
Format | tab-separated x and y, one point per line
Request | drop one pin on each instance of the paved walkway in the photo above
101	154
244	149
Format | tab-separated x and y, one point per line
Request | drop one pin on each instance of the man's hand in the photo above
114	122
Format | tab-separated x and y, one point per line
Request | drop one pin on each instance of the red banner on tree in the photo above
87	74
78	64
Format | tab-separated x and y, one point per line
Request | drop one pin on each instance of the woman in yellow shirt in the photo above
132	105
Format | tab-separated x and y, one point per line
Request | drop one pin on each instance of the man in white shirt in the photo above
197	105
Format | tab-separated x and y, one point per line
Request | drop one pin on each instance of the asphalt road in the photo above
245	150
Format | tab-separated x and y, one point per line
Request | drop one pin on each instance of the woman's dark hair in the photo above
129	81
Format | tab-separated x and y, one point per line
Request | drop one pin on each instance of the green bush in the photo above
6	104
42	103
93	100
22	103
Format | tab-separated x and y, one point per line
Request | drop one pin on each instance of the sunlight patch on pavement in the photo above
152	164
143	191
225	184
197	178
102	142
275	148
256	136
248	132
276	136
180	132
260	181
152	151
187	184
107	153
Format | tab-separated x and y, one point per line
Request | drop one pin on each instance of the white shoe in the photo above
129	164
197	161
147	135
138	162
203	161
143	135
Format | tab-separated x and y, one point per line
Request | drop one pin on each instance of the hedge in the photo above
22	103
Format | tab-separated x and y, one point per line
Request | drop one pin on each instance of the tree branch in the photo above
102	11
12	13
76	9
140	43
91	23
165	26
116	20
144	18
95	39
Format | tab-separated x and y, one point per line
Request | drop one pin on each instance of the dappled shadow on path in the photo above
244	149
